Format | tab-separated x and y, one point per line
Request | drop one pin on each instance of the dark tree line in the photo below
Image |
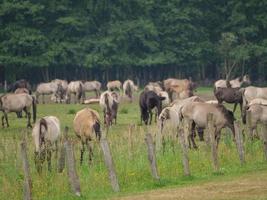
151	40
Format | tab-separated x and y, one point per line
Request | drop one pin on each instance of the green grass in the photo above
131	165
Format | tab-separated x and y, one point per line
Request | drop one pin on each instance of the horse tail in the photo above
43	123
34	109
81	92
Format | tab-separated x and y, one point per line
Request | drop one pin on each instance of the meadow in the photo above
131	165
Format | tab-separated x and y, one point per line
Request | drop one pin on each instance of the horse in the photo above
20	91
229	95
46	134
109	102
86	125
147	101
62	90
258	110
114	85
22	83
128	89
89	86
76	88
183	88
47	89
171	114
154	86
18	103
235	83
198	112
251	92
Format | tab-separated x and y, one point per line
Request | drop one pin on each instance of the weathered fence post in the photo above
182	131
109	163
264	138
62	152
152	156
239	142
27	189
248	122
214	151
70	161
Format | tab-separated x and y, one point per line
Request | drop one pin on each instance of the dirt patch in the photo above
247	187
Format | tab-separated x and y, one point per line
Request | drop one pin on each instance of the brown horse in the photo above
198	112
17	103
86	125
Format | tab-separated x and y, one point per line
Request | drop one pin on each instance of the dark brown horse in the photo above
229	95
147	101
22	83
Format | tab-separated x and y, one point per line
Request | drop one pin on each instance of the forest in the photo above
144	40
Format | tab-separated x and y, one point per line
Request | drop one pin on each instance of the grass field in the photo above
132	166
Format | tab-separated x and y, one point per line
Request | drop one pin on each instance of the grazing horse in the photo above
114	85
46	134
235	83
109	102
18	103
86	125
20	91
147	101
47	89
128	89
171	114
181	88
62	90
229	95
22	83
258	110
198	112
95	86
76	88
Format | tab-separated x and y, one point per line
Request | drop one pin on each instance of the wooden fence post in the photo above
70	161
62	151
248	122
214	151
27	189
239	142
152	156
109	164
182	130
264	138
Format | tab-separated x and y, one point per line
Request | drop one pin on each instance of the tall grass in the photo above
132	167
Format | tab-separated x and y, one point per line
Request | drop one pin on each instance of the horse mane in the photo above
41	135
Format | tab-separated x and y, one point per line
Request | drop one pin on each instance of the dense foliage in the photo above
198	38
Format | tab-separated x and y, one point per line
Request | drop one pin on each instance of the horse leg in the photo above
43	98
192	135
29	117
7	124
200	134
90	151
82	151
3	123
150	116
234	107
217	138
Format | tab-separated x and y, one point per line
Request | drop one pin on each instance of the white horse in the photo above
46	133
235	83
95	86
47	89
76	88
